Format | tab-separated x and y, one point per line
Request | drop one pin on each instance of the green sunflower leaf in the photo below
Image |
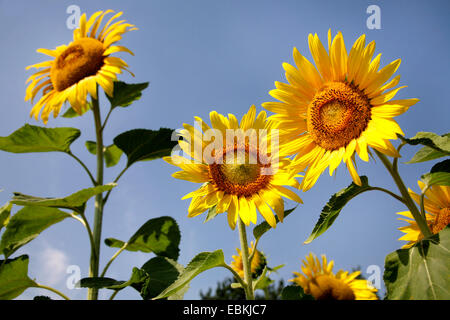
435	146
39	139
159	235
5	213
144	144
71	113
334	206
262	281
111	153
14	277
201	262
263	227
42	298
98	282
26	225
91	146
438	178
137	276
427	154
75	202
125	94
420	272
162	272
275	269
212	213
439	175
295	293
443	166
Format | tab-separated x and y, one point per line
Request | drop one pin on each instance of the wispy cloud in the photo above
53	265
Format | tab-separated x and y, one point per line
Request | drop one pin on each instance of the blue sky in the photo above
201	56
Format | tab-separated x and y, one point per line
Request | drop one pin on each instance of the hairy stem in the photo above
115	181
393	195
245	261
106	119
114	295
253	251
113	258
90	234
409	202
98	214
236	275
84	167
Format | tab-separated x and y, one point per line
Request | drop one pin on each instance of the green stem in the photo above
245	261
389	193
52	290
409	202
236	275
115	181
422	202
395	161
114	295
253	252
84	167
106	119
91	235
113	258
98	214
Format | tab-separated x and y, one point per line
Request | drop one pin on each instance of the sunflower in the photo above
320	281
238	174
437	212
343	106
258	262
77	68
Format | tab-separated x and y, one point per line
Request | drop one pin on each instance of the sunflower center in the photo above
325	287
241	174
338	114
239	171
441	221
83	58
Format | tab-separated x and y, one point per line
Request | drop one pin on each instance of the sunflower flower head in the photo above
240	170
437	213
338	108
259	261
77	68
319	281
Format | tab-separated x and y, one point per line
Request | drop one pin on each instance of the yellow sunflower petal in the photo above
244	211
307	69
233	212
224	203
276	203
385	97
338	56
287	193
248	119
320	56
383	75
265	211
353	173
